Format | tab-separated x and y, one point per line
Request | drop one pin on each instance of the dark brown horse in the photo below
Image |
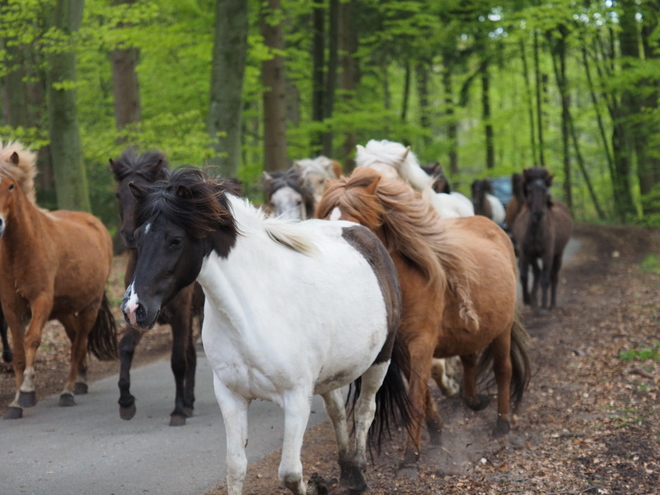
142	170
516	202
53	265
541	231
440	183
458	282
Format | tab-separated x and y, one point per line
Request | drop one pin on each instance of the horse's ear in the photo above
371	188
137	191
158	169
405	153
14	158
183	192
113	166
548	179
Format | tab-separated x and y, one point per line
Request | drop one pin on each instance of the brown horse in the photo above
458	279
541	231
52	266
145	169
516	202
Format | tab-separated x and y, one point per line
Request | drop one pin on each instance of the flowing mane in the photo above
321	165
21	167
150	165
391	153
410	226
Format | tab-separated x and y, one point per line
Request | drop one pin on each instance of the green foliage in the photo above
651	264
651	353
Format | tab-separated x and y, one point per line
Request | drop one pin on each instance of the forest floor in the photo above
589	423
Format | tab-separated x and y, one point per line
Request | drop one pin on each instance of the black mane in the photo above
150	165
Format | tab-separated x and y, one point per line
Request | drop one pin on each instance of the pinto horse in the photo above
144	169
541	231
53	265
485	204
458	281
333	319
288	196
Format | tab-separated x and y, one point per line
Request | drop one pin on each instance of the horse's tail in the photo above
393	405
520	364
102	339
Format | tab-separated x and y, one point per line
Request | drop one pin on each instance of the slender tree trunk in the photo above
539	101
318	69
331	80
422	72
125	86
406	92
452	127
66	149
530	102
274	96
348	77
485	105
225	116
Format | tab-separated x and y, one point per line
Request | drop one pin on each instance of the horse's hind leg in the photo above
472	399
554	279
502	368
78	329
70	326
235	415
129	341
296	404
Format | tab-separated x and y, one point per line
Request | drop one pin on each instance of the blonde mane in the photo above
411	227
22	172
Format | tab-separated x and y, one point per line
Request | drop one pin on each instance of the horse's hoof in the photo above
27	399
66	400
14	413
7	356
188	411
408	471
479	404
127	413
502	428
177	420
80	388
319	486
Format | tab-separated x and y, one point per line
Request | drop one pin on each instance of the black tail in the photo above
102	339
520	365
393	406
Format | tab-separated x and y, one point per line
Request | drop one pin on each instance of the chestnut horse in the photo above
53	265
541	231
145	169
458	281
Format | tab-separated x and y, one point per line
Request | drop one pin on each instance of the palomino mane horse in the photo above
143	169
338	275
53	265
393	160
19	164
315	171
288	196
541	231
458	281
485	204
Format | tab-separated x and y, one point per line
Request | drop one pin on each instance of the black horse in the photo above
144	169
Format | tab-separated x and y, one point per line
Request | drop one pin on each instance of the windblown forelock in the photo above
202	209
143	165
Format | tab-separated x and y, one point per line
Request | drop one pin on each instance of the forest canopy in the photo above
242	86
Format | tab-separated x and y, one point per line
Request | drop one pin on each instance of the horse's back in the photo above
497	209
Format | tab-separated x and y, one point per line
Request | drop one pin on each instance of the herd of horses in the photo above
381	280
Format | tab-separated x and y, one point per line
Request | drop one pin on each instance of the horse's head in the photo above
288	196
315	171
440	183
536	182
178	222
353	198
141	170
9	192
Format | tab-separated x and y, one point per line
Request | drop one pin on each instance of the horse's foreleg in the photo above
297	406
234	410
472	399
129	340
523	267
554	279
536	271
40	308
181	345
545	280
502	368
15	410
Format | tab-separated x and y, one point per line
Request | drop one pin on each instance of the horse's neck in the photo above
25	226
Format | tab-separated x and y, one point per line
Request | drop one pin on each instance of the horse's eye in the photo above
176	243
11	187
299	202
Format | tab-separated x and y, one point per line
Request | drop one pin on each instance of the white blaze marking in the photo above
146	229
131	305
336	213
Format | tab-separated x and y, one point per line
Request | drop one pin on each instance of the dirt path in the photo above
590	422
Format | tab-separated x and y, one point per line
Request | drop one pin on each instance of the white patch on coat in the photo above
336	213
497	209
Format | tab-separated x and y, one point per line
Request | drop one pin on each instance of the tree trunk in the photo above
274	93
406	92
539	102
331	79
318	69
348	78
452	127
225	116
422	72
530	101
66	150
485	104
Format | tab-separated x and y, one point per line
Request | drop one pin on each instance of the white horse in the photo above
287	195
393	160
485	203
292	310
315	171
